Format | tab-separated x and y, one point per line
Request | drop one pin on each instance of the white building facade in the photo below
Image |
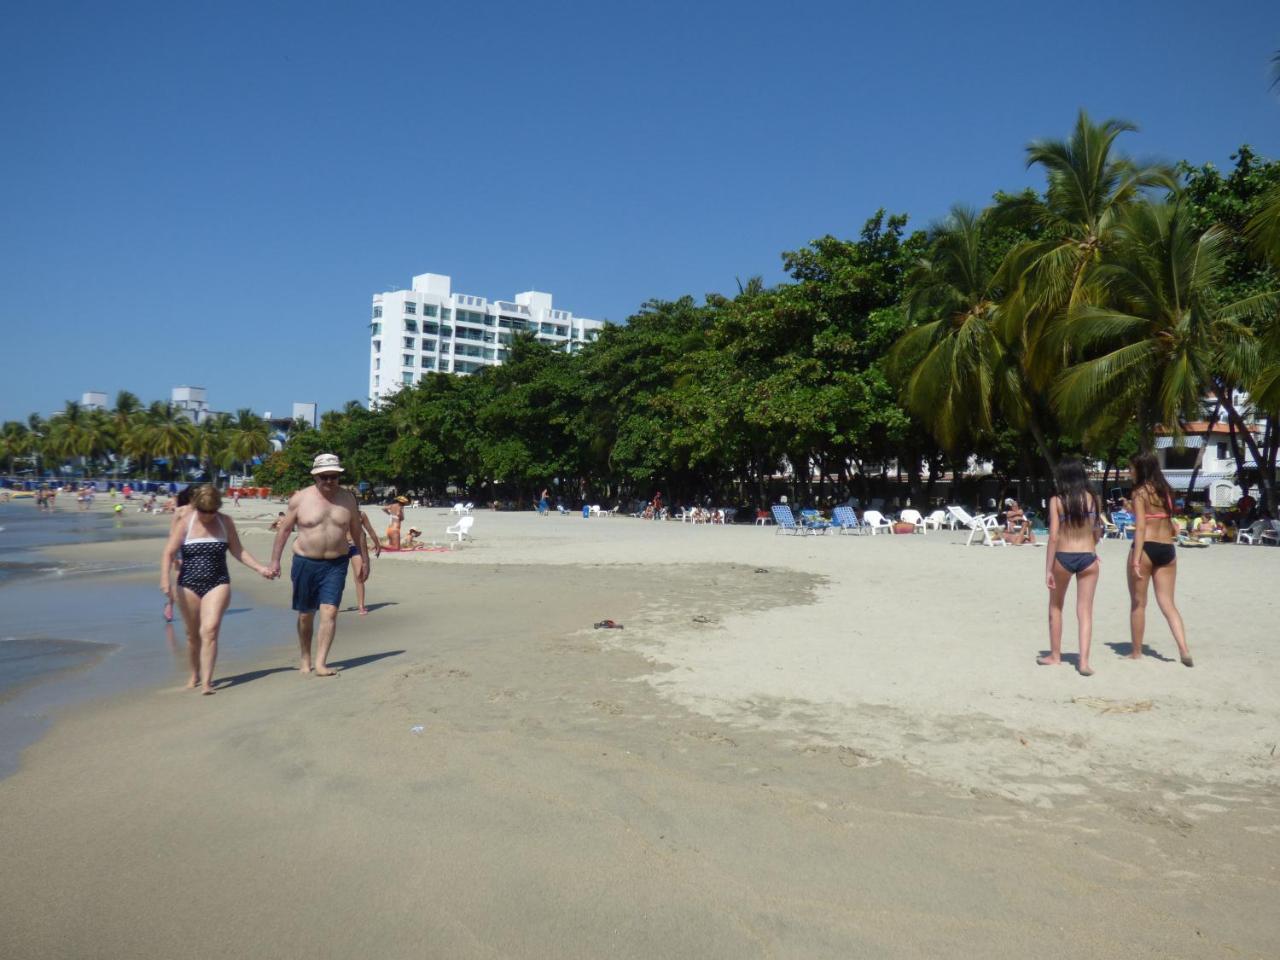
430	328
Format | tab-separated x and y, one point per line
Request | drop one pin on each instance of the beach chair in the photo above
846	521
461	529
876	522
812	521
763	518
784	520
962	518
939	519
988	531
913	517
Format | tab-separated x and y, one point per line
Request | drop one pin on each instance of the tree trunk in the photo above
1195	469
1265	483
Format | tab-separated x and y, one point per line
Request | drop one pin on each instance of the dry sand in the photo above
818	747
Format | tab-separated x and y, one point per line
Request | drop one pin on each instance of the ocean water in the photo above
75	631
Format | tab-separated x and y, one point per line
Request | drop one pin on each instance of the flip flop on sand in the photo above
608	625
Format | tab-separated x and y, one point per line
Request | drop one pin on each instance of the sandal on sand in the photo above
608	625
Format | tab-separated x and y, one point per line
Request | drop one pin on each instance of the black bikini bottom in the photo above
1075	562
1160	554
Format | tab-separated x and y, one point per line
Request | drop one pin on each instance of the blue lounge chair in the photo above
846	521
784	520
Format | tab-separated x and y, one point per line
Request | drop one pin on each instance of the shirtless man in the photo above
327	519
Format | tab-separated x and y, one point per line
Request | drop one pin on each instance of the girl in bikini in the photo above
1074	529
1153	557
396	512
204	584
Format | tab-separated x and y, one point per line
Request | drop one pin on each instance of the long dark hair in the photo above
1080	505
1147	473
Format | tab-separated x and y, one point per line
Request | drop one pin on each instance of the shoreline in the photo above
689	785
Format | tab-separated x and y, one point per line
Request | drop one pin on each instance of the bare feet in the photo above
208	691
304	667
193	682
1048	661
325	672
1086	670
1136	655
1187	661
363	611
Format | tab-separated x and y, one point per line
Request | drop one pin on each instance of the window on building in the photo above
445	313
431	328
410	307
377	381
408	359
490	320
562	331
504	338
407	377
411	326
444	348
488	353
377	311
377	346
488	337
377	329
428	309
446	331
428	361
1222	451
429	346
377	363
409	343
1180	459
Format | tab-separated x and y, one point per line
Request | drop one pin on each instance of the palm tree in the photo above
1157	339
15	442
74	432
249	436
126	419
955	363
168	435
212	443
1089	187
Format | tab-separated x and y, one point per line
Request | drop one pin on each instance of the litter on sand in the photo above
608	625
417	729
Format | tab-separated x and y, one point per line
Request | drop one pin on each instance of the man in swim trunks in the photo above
327	519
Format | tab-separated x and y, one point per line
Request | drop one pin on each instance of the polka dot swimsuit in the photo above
204	560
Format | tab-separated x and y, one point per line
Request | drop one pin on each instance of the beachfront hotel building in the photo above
430	328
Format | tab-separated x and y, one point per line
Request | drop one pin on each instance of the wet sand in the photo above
795	748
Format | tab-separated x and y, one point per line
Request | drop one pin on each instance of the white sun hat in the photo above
327	463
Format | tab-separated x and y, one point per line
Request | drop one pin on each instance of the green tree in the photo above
1158	339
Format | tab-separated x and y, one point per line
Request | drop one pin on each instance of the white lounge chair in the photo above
962	518
913	517
877	522
461	529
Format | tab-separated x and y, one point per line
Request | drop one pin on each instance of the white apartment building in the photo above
430	328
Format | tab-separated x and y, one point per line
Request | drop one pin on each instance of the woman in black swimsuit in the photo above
204	583
1074	530
1153	557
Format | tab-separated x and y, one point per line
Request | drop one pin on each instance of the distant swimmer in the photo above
327	519
204	584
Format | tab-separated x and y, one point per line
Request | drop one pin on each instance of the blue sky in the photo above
210	194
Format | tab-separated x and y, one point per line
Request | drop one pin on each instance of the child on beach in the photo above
1074	528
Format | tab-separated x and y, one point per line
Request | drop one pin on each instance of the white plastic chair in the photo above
913	517
939	519
876	521
461	529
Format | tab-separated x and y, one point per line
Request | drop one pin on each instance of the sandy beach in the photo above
797	747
